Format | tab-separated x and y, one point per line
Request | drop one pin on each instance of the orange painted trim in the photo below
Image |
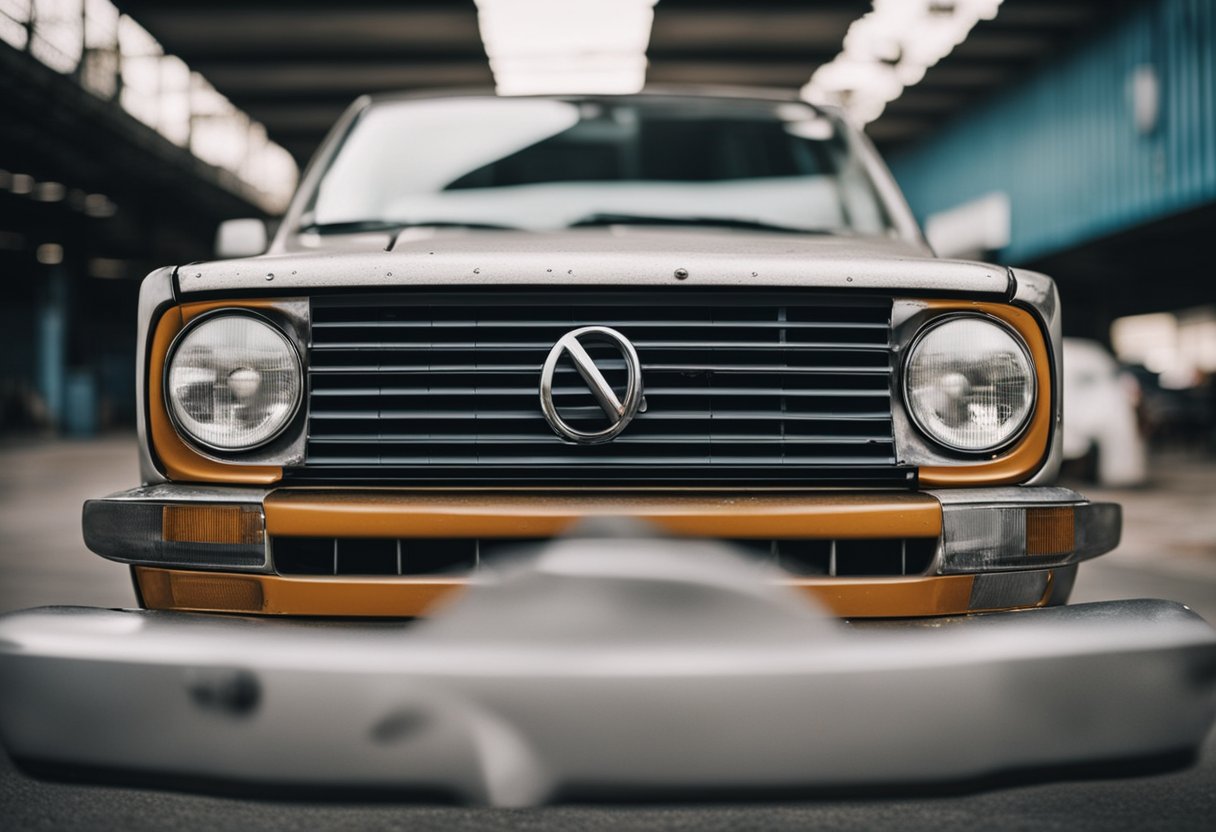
891	597
387	597
1024	458
182	463
391	597
387	513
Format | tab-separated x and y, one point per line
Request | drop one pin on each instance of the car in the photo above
1101	427
485	320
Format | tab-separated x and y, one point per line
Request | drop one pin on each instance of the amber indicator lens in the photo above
221	593
211	524
1050	531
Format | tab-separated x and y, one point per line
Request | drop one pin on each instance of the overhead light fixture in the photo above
49	254
889	49
566	46
107	268
99	206
21	183
49	192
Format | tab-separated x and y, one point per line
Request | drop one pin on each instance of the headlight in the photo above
232	381
969	384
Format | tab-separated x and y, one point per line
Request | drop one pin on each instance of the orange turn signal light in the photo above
1051	531
165	590
237	524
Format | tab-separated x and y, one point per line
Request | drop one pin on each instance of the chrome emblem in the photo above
620	411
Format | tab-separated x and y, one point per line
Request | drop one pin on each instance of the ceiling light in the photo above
889	49
49	192
100	206
49	254
566	46
107	268
21	183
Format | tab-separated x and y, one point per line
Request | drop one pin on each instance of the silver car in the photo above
489	323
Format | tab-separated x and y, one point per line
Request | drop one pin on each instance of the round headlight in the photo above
969	384
233	381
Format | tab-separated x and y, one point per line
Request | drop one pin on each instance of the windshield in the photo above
545	164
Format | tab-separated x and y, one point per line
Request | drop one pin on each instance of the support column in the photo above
52	343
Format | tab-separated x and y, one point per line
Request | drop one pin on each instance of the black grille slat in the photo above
503	456
739	387
529	393
570	413
533	325
699	368
449	439
535	346
330	471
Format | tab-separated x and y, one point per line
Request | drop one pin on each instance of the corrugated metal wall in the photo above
1064	144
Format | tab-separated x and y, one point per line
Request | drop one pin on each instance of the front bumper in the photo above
603	667
213	548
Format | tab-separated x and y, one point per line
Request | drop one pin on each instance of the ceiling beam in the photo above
282	120
305	79
199	31
811	28
784	74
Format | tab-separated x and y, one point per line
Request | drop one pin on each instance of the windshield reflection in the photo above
544	164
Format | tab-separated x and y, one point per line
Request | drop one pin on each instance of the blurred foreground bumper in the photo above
604	668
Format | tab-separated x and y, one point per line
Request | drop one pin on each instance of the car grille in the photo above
739	387
420	557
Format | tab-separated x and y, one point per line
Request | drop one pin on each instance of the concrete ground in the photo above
1169	551
42	556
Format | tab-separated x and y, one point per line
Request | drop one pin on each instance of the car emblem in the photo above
620	411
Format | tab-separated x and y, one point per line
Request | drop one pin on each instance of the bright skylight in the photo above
560	46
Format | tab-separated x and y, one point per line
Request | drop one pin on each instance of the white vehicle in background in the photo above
1100	423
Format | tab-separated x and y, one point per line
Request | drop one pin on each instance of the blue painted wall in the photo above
1063	142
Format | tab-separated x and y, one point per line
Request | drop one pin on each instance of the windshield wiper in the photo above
720	222
387	226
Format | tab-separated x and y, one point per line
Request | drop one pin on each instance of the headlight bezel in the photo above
1018	434
202	446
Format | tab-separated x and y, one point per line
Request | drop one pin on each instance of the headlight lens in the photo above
233	382
970	384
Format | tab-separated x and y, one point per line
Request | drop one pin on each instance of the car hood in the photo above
630	256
